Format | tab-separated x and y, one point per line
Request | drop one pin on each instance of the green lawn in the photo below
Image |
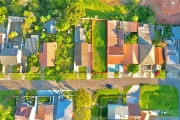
99	46
7	108
162	74
155	97
4	93
102	97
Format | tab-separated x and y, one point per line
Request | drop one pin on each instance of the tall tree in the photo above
73	13
82	101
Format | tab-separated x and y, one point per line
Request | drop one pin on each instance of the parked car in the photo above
162	112
109	86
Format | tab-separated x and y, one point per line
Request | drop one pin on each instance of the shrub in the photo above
133	68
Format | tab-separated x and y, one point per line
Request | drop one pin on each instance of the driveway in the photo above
133	94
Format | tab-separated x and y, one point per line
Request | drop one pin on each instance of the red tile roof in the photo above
45	112
23	112
130	54
159	55
47	57
115	55
111	33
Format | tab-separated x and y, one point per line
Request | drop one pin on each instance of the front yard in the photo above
155	97
100	100
99	46
8	104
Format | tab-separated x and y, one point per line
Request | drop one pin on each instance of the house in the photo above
134	111
116	112
159	55
65	110
145	33
10	56
81	52
131	54
25	112
47	57
146	54
129	26
175	32
31	45
2	41
115	55
115	41
50	26
171	52
82	36
45	112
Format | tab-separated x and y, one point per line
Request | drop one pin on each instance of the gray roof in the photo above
114	110
145	33
51	26
175	31
31	45
64	110
9	56
146	54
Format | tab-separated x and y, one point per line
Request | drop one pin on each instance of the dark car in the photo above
109	86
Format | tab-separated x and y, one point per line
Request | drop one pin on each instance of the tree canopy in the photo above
133	68
82	102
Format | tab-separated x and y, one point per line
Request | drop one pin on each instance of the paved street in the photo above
90	85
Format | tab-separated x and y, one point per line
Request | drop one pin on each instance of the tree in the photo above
62	25
122	9
135	1
131	39
73	13
133	68
3	10
43	19
43	35
57	67
12	34
135	18
82	102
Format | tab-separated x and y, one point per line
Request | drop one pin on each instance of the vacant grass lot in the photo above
155	97
98	46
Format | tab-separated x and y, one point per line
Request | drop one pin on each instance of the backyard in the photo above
99	46
155	97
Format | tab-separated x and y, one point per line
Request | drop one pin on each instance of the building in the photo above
2	41
81	52
145	33
31	45
65	110
115	55
50	26
171	52
47	57
146	54
131	54
134	111
129	26
10	56
116	112
45	112
159	55
25	112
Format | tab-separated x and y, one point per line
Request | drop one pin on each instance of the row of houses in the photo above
119	54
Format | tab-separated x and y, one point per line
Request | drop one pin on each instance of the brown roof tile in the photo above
159	55
22	112
45	112
81	52
130	26
120	37
131	54
47	57
115	55
134	111
111	33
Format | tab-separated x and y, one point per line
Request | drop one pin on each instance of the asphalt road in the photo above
90	85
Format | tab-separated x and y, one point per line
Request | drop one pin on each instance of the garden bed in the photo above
155	97
160	74
99	46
